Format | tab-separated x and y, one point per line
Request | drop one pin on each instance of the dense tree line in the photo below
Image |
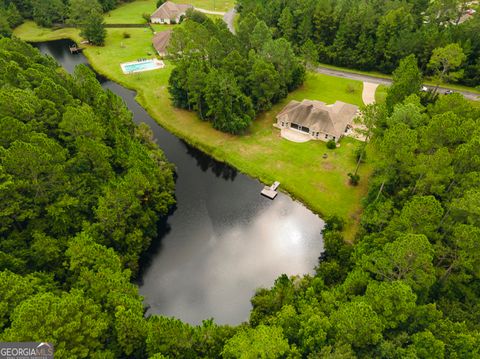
84	165
81	191
10	18
227	79
372	34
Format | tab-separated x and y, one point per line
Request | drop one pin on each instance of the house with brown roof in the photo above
317	119
169	13
160	42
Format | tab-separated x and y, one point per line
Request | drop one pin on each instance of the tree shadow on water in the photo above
147	258
206	162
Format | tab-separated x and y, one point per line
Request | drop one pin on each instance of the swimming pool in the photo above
139	66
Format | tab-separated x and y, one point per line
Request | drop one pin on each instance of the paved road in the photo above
377	80
228	18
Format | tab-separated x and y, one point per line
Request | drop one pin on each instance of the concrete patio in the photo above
294	136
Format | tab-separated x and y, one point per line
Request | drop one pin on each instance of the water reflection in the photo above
217	270
206	162
223	240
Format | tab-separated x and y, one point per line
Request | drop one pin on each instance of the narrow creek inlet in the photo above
223	240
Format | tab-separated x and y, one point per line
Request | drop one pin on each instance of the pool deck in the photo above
159	65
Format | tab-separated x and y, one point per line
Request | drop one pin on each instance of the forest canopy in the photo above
81	206
82	190
373	34
85	167
227	79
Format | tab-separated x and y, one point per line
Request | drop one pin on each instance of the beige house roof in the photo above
169	10
319	117
160	41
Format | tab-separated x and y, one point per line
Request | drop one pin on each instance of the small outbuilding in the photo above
317	119
160	42
169	13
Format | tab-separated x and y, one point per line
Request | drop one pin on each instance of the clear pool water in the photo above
140	66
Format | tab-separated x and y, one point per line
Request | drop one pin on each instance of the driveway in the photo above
381	81
368	94
210	12
228	18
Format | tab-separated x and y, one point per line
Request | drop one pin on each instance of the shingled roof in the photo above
160	41
319	117
169	10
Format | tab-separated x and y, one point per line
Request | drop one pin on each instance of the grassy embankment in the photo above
322	184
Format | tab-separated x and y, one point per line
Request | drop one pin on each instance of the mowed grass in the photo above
322	184
213	5
381	93
30	31
131	13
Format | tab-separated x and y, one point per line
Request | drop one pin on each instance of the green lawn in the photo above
322	184
162	27
215	5
30	31
381	93
131	13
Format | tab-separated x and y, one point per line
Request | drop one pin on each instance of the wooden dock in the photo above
74	49
270	192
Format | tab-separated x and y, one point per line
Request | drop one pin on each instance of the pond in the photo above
223	240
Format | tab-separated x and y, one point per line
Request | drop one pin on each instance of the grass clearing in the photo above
30	31
322	184
131	13
381	93
213	5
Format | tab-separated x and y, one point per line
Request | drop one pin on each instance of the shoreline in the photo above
217	152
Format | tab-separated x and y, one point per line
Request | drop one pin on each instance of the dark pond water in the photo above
223	240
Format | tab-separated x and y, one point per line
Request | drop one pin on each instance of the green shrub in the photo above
350	88
354	179
331	144
126	35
